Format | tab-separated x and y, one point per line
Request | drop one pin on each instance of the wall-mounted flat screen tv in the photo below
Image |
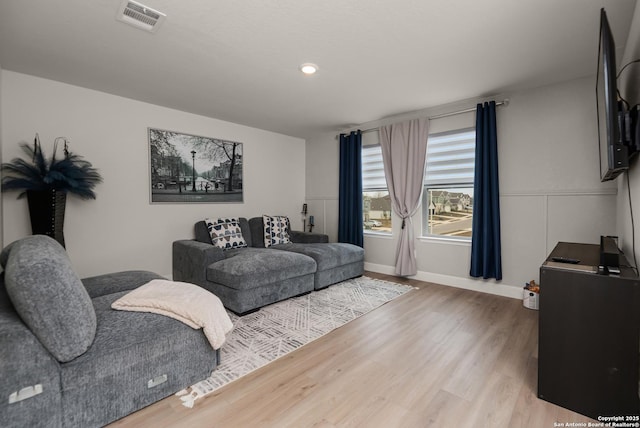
614	155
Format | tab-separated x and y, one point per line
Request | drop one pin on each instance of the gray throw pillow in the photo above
49	296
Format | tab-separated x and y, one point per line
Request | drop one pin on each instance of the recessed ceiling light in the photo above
308	68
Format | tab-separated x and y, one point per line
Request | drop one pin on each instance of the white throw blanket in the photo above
188	303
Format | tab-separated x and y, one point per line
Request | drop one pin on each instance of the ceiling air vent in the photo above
140	16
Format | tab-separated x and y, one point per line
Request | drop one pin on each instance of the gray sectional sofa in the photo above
246	279
68	360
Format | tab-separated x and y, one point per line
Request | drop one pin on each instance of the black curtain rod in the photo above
505	103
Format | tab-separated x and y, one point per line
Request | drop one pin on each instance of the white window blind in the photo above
451	157
372	168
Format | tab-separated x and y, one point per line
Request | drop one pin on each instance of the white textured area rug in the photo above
277	329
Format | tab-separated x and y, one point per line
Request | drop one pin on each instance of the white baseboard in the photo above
482	285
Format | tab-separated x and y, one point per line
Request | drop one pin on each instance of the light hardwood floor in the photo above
436	356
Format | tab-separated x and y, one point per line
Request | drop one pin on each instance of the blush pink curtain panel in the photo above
404	153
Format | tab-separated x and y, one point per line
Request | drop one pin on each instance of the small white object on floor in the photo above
188	398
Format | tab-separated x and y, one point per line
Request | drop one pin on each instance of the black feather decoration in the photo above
71	174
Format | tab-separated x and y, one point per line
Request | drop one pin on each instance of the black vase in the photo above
46	209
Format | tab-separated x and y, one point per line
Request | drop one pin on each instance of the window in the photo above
447	200
376	203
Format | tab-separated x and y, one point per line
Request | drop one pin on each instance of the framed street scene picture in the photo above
187	168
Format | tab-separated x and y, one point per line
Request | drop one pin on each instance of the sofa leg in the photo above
250	311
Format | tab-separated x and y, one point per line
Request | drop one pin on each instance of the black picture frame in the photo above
187	168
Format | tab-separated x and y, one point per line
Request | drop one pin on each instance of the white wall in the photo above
121	229
322	180
549	187
629	85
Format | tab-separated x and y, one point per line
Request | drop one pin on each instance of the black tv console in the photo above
589	326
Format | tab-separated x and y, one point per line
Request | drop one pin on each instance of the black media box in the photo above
609	252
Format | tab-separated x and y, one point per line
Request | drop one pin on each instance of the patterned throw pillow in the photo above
225	233
276	230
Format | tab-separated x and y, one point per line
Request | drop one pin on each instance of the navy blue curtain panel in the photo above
350	227
486	258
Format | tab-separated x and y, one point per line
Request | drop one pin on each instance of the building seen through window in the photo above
376	203
447	199
376	207
449	211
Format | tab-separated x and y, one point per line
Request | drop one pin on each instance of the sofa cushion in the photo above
225	233
116	282
256	227
327	255
49	296
276	230
252	267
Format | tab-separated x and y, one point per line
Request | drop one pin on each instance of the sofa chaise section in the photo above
245	279
336	262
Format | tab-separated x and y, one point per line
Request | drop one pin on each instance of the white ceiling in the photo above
238	60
